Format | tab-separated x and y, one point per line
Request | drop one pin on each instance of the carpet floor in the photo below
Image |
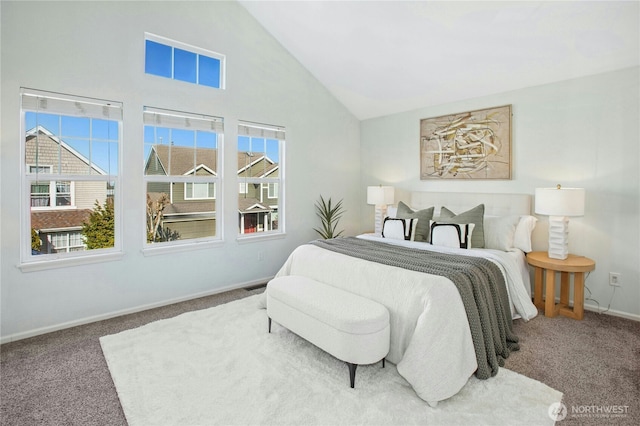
199	367
62	378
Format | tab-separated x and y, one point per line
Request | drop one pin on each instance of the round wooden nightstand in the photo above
577	265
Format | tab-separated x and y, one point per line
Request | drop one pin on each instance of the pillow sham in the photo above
456	235
499	232
399	229
424	216
392	211
475	216
522	235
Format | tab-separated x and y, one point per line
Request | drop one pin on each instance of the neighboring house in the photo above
192	209
60	207
257	202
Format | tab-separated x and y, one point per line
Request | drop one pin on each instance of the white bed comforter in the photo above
430	339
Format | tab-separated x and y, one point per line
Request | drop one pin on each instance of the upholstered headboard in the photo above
494	204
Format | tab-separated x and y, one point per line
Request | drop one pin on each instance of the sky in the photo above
97	140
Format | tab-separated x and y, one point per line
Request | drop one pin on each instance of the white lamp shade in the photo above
560	201
380	195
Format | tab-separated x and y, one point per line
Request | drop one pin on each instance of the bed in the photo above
431	330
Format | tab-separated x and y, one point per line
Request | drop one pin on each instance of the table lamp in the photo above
381	197
558	203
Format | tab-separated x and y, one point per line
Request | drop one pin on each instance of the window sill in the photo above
254	237
69	261
178	248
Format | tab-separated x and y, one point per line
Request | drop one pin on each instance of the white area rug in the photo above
220	366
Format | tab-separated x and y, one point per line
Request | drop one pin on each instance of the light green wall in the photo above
581	132
96	49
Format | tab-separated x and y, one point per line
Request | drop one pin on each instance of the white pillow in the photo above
399	229
392	211
522	235
499	232
456	235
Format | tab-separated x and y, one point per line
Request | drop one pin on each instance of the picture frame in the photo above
468	145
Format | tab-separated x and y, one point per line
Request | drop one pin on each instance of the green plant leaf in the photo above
329	215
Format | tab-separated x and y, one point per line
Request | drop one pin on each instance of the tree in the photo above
36	242
155	213
99	230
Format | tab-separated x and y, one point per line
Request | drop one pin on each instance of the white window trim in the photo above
53	194
66	260
217	178
193	49
93	109
68	246
270	193
215	189
268	132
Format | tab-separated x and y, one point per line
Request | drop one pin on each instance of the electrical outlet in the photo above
614	278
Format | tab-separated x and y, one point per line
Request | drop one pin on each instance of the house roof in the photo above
41	132
57	220
257	165
180	160
251	205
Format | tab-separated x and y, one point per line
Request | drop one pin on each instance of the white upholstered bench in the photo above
349	327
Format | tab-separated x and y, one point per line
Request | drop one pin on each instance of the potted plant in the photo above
329	214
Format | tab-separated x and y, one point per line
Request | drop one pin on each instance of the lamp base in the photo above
380	213
558	237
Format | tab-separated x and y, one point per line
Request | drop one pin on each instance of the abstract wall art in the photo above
469	145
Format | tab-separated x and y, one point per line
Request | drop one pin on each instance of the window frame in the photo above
208	197
198	51
86	108
267	132
190	177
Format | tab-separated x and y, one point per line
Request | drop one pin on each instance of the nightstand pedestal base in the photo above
577	265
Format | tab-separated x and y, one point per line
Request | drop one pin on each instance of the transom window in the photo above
179	61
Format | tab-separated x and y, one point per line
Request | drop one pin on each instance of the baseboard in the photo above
600	310
612	312
49	329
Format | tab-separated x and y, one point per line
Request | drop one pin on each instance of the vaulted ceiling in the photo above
384	57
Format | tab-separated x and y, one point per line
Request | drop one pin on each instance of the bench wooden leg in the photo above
382	362
352	373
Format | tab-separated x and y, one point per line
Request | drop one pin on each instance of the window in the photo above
200	191
64	242
260	176
49	194
272	189
182	152
179	61
71	162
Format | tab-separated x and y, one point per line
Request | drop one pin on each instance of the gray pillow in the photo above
475	215
423	216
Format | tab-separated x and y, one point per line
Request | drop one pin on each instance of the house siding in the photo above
191	227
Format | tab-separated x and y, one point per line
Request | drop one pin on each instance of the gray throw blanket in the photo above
480	283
